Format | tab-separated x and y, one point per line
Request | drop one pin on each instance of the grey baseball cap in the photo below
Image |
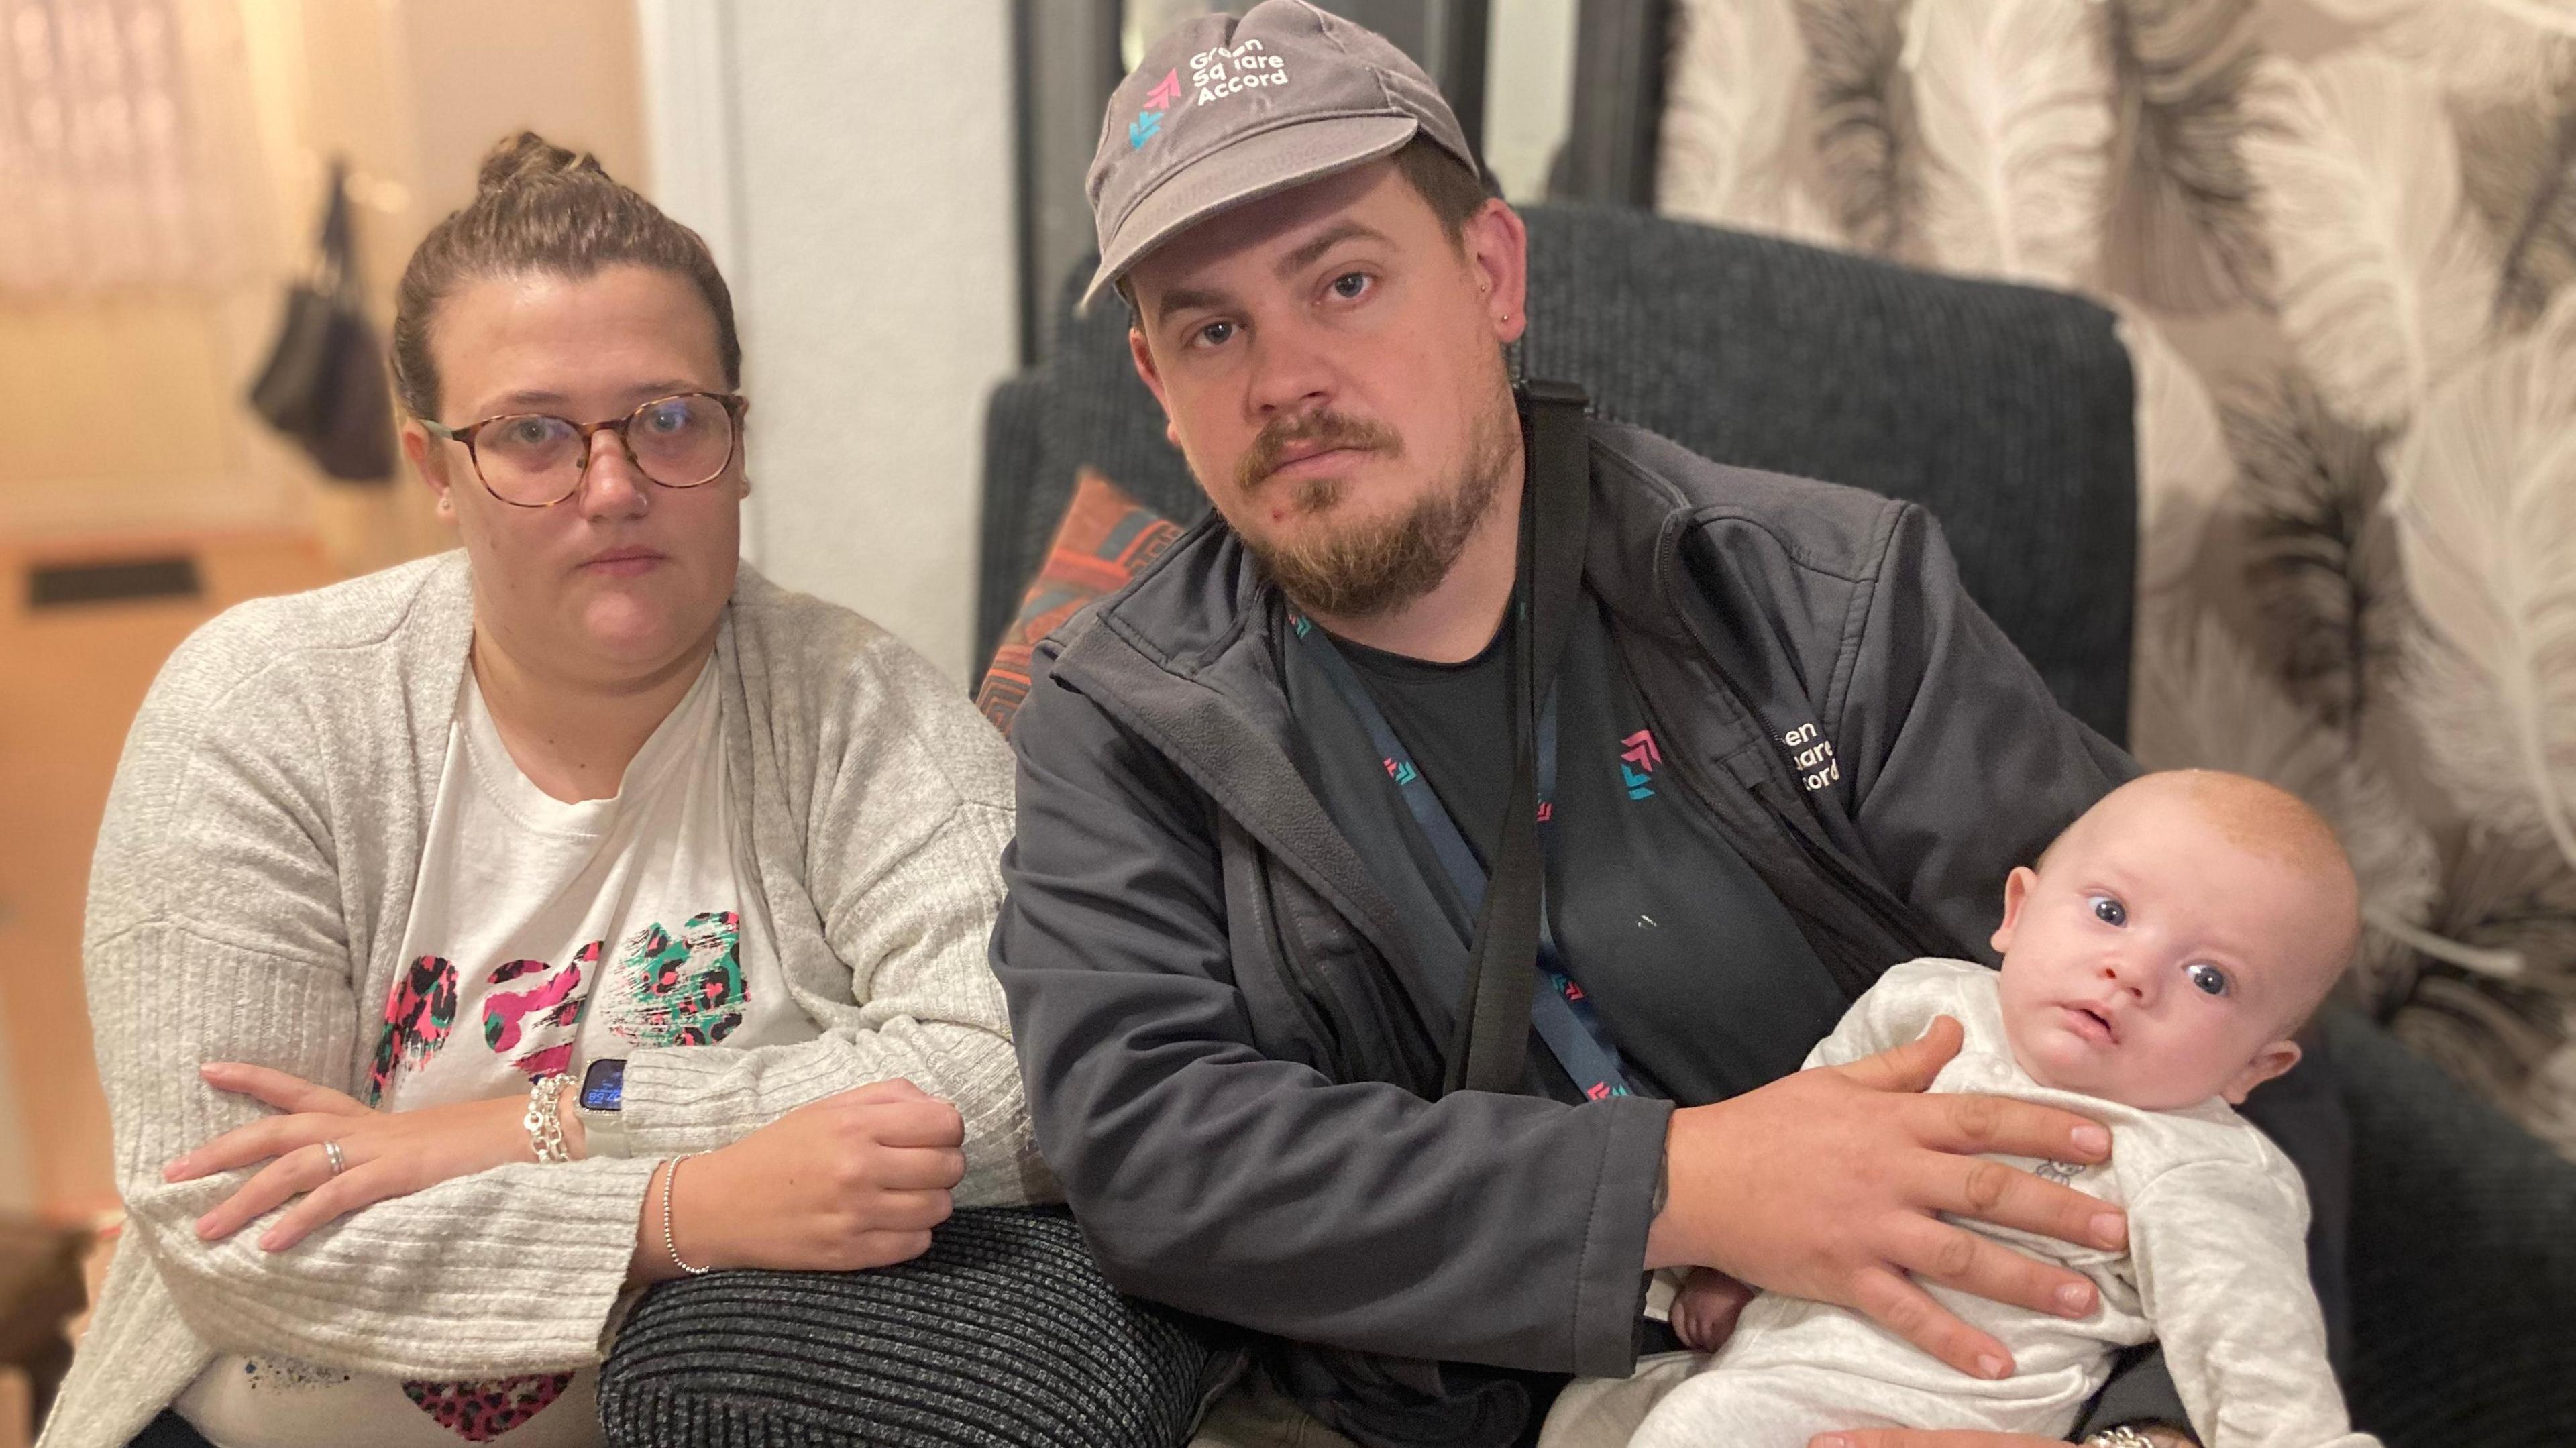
1227	109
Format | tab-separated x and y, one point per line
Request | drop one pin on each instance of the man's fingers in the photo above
278	1089
1989	1191
1928	1439
1972	1124
1938	1252
1912	1066
1887	1298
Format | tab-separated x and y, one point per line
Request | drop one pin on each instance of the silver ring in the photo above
339	1163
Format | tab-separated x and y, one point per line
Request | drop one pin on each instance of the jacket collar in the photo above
1182	657
1195	604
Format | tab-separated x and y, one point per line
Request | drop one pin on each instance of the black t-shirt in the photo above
1697	971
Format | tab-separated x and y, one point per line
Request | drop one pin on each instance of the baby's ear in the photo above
2016	892
2269	1062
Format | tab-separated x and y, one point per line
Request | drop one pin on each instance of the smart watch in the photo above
601	1102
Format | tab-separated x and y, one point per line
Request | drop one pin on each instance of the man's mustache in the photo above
1312	432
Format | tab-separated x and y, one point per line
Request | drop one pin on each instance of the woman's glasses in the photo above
532	460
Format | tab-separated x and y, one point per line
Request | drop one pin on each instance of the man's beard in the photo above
1361	570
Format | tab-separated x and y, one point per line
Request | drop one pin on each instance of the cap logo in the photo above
1220	72
1292	92
1149	121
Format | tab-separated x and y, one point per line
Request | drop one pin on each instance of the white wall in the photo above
1529	91
863	205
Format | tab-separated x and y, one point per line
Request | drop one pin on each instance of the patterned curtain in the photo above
107	177
2339	237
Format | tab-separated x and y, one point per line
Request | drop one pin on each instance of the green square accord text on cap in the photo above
1227	109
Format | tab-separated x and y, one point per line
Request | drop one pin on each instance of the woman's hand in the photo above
851	1181
386	1153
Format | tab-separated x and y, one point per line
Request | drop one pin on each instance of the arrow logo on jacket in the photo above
1637	770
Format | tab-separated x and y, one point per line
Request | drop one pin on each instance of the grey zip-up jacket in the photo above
1233	1062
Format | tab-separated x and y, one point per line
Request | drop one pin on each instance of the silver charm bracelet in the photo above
545	1119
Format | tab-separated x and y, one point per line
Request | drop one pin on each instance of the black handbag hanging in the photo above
324	381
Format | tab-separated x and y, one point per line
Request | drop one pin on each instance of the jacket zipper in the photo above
1873	896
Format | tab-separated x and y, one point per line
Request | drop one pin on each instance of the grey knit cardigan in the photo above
248	901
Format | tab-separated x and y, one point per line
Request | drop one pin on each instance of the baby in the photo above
2156	963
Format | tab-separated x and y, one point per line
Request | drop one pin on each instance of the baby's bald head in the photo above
2267	823
2173	939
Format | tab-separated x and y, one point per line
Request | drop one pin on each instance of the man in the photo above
1793	754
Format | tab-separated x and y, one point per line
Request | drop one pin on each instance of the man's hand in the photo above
1920	1439
1827	1184
1917	1438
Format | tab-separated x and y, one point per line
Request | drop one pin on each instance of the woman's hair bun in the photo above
539	209
528	156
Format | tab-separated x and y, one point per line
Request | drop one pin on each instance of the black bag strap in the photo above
1491	1050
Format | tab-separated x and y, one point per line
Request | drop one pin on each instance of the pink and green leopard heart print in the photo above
481	1412
683	991
543	1015
418	1013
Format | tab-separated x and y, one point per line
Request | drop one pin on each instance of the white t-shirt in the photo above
542	936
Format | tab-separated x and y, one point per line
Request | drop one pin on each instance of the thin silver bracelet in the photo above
671	1244
2124	1436
545	1119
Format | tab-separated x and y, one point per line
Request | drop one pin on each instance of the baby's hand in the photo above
1705	1309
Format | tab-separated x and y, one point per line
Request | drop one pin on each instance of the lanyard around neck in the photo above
1560	1011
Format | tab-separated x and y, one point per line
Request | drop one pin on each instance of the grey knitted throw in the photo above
1003	1335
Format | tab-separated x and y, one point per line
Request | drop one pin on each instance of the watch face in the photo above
603	1086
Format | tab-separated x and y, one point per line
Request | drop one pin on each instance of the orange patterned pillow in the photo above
1106	538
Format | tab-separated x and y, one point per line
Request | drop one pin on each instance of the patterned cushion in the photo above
1003	1335
1106	538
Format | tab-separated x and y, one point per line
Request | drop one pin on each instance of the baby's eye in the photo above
2110	911
2209	978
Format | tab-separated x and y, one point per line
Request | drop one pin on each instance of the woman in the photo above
392	869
